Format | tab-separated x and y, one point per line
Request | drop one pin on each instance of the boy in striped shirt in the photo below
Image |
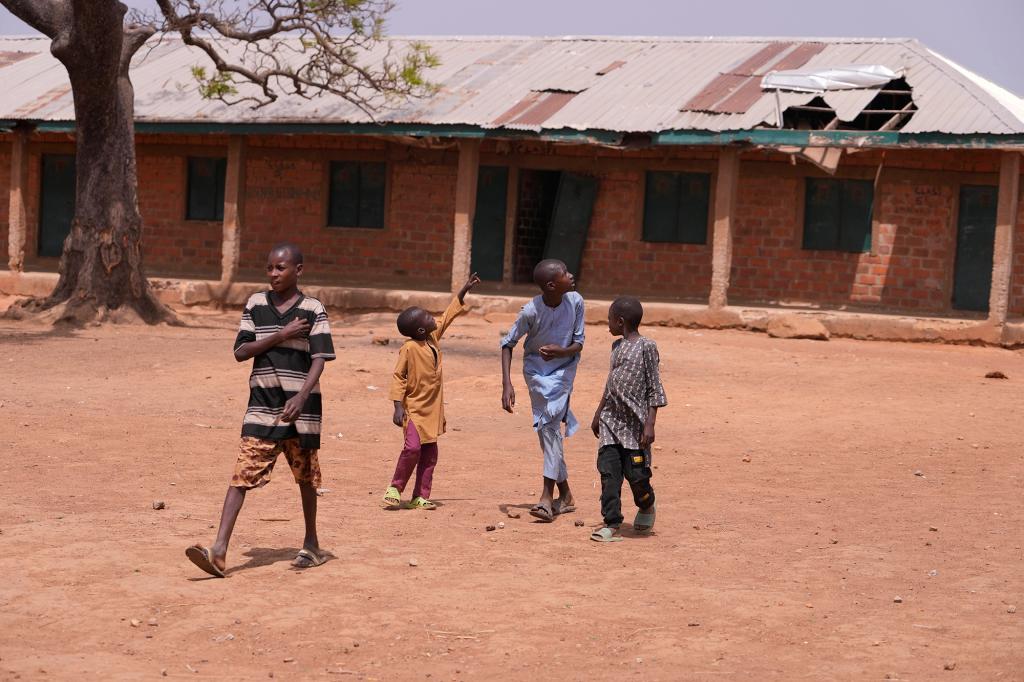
288	335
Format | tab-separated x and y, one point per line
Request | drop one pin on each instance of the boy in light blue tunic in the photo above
553	325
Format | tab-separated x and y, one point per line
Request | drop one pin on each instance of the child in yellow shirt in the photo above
417	392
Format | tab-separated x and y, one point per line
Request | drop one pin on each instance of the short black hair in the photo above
546	271
292	249
629	309
409	321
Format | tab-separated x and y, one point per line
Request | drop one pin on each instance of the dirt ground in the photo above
827	510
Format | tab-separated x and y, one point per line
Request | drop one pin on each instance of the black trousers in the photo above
614	463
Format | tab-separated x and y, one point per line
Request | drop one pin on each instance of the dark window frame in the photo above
367	209
845	237
213	196
687	226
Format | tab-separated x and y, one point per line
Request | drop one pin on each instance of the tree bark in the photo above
101	274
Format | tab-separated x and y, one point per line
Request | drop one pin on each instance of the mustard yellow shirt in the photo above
417	381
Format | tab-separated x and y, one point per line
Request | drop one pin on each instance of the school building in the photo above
860	175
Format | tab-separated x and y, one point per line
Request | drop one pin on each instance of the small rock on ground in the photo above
797	327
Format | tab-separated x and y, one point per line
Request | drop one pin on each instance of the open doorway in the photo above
552	219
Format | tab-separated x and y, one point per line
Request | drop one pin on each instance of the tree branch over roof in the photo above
299	47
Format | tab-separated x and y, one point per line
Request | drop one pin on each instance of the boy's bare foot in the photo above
205	559
309	557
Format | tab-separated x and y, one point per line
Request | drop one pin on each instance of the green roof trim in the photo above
761	137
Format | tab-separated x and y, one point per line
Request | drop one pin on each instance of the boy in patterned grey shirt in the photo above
624	421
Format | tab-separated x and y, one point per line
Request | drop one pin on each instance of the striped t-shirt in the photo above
279	373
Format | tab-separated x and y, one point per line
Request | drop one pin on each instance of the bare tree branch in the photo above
45	16
306	48
134	37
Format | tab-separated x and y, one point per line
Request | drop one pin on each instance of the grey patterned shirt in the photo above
634	386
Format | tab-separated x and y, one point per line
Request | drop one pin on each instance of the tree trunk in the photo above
101	275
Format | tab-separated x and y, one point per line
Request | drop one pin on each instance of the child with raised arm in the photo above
288	336
624	421
553	326
418	393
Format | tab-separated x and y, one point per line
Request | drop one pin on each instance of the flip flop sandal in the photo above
557	508
307	558
203	558
644	522
422	503
605	534
542	512
392	498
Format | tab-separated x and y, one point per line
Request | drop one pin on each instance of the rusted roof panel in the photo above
546	107
750	92
724	84
518	109
481	80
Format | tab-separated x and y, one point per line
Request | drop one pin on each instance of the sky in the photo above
982	35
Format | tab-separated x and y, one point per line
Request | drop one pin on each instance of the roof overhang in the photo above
666	138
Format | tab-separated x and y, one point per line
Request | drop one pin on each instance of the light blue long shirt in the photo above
549	381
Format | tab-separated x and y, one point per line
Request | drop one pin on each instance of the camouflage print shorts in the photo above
256	458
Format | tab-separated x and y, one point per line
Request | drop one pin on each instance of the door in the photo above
975	235
570	220
56	203
488	254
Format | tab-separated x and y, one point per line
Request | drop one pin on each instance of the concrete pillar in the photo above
465	205
1002	254
511	211
234	211
725	210
17	215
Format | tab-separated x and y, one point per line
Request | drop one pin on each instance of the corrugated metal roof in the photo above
482	79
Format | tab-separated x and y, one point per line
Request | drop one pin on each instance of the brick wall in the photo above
286	199
907	269
617	261
171	245
910	268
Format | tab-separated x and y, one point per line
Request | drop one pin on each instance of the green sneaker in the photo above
392	498
421	503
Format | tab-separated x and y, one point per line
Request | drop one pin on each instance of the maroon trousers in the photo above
419	457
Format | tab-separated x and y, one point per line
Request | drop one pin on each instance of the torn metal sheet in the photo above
853	77
825	158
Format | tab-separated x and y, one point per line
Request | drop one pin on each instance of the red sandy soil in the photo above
875	471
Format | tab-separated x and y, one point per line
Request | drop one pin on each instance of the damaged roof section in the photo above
859	98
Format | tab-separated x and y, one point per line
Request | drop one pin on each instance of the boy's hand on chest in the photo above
296	328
